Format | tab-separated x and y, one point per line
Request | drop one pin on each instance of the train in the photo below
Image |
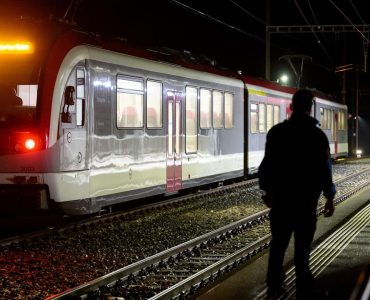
88	122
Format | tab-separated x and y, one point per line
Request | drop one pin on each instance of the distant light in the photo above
15	47
283	79
358	153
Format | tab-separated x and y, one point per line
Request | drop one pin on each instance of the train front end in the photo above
24	156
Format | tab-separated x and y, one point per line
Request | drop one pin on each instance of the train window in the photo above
276	114
269	117
130	102
229	109
341	122
217	109
80	95
262	117
322	119
28	94
191	130
205	103
344	123
254	117
154	104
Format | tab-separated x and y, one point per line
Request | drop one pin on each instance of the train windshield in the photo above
18	93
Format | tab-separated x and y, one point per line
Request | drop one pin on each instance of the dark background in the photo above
232	34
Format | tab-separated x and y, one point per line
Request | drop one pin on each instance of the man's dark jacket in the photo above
297	161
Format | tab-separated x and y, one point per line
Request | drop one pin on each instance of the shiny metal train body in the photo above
94	123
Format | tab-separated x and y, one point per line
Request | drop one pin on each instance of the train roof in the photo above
46	35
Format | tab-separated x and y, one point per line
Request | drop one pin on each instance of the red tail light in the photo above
30	144
25	142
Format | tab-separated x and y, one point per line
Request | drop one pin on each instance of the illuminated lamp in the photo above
26	142
15	47
30	144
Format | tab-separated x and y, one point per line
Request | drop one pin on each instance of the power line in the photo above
359	31
313	32
248	13
216	20
316	21
356	11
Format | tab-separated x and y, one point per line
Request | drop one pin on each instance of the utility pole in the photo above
355	131
268	43
357	96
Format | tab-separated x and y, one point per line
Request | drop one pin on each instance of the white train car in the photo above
87	123
333	121
106	126
269	104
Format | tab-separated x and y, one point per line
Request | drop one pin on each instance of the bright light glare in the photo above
29	144
284	78
16	47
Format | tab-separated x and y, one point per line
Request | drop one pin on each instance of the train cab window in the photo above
229	110
217	115
28	94
276	114
18	92
130	102
191	128
154	104
269	117
254	117
205	103
262	117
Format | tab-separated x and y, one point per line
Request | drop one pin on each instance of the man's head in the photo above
302	101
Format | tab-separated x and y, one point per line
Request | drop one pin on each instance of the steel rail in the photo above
195	281
135	268
331	247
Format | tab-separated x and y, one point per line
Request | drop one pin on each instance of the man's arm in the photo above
265	174
329	187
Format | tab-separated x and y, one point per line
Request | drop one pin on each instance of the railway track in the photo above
327	251
141	210
184	269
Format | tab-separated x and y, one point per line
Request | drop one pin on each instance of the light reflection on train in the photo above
86	124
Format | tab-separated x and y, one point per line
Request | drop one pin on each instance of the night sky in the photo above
232	33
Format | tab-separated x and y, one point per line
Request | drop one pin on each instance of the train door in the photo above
74	122
174	163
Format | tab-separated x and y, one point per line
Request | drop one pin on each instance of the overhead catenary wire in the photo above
345	16
313	32
248	13
357	13
365	42
193	10
315	19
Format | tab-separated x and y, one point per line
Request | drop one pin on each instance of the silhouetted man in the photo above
295	170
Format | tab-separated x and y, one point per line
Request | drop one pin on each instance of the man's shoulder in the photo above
280	126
